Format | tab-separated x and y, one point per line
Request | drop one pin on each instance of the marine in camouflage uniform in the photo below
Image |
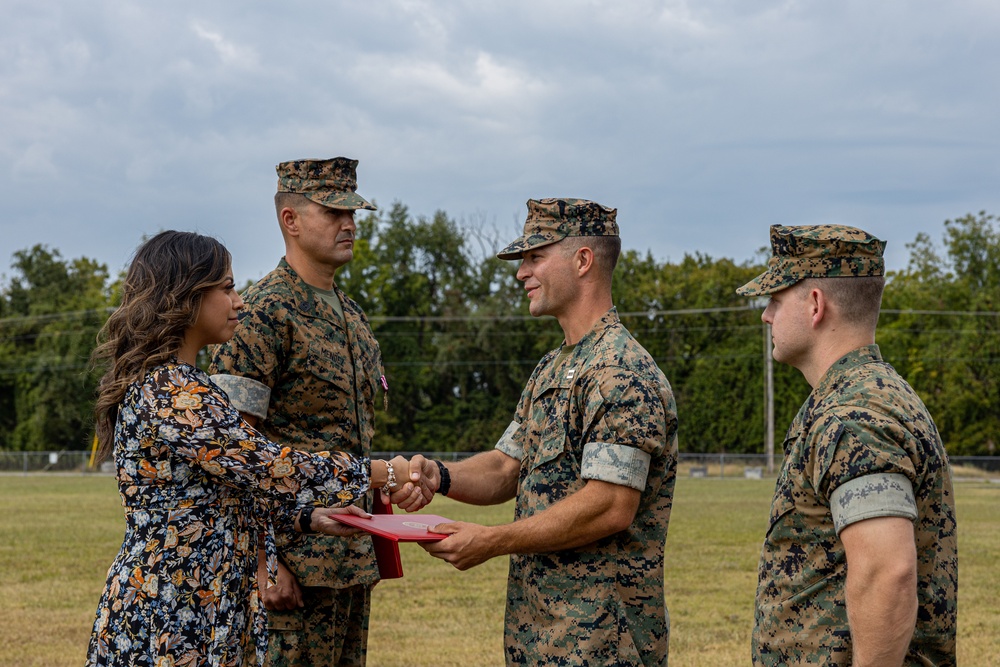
604	412
599	409
863	446
310	375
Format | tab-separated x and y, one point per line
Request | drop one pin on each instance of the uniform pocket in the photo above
783	502
552	471
324	363
284	621
551	446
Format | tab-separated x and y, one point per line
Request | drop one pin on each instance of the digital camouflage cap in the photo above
551	220
332	183
820	251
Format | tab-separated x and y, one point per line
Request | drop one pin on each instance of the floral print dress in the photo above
196	482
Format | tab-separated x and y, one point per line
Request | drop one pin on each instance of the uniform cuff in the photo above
508	444
245	394
871	496
617	464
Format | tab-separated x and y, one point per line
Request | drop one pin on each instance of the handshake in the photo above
416	482
411	486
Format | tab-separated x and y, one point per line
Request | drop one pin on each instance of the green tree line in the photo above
458	341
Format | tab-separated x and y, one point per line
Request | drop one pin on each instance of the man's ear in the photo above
584	261
818	306
288	218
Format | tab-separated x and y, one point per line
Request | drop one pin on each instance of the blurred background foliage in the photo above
459	344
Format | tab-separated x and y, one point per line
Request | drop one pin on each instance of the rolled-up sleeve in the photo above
618	464
510	442
872	496
627	427
245	394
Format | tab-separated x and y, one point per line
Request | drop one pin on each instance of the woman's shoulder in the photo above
177	386
173	375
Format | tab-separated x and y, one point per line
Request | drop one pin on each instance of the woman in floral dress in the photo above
198	484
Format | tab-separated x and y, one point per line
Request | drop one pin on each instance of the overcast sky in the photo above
702	122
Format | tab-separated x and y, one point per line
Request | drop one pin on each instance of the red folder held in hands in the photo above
397	527
386	550
388	530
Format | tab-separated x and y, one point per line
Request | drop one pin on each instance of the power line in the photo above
401	318
52	317
382	334
88	331
507	318
651	313
432	363
974	313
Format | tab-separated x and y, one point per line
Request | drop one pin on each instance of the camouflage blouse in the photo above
605	412
192	474
861	422
319	374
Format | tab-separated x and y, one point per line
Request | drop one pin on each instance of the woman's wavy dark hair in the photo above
161	296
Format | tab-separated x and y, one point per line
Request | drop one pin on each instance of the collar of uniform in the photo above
306	301
568	369
609	319
863	355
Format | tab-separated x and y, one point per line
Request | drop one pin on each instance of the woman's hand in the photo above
409	490
285	595
425	480
323	521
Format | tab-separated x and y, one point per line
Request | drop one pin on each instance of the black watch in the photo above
305	519
445	484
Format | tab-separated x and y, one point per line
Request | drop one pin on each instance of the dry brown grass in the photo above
58	534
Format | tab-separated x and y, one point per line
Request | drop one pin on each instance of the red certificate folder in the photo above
397	527
386	550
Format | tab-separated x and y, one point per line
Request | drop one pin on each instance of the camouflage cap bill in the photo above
332	183
820	251
551	220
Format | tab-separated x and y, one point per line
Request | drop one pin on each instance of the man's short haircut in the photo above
289	200
857	298
606	249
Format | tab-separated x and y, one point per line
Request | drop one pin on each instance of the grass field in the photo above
58	534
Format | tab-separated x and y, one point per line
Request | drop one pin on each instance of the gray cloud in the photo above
702	122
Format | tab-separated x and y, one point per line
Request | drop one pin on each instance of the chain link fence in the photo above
44	461
80	461
751	466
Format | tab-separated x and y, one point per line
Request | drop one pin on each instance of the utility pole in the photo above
768	400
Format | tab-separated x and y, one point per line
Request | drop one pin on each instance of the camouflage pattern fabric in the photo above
551	220
250	396
861	419
818	251
331	629
332	183
323	372
606	412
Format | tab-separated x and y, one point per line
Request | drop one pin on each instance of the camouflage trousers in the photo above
330	630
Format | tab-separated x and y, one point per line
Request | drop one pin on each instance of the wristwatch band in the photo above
305	519
445	484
